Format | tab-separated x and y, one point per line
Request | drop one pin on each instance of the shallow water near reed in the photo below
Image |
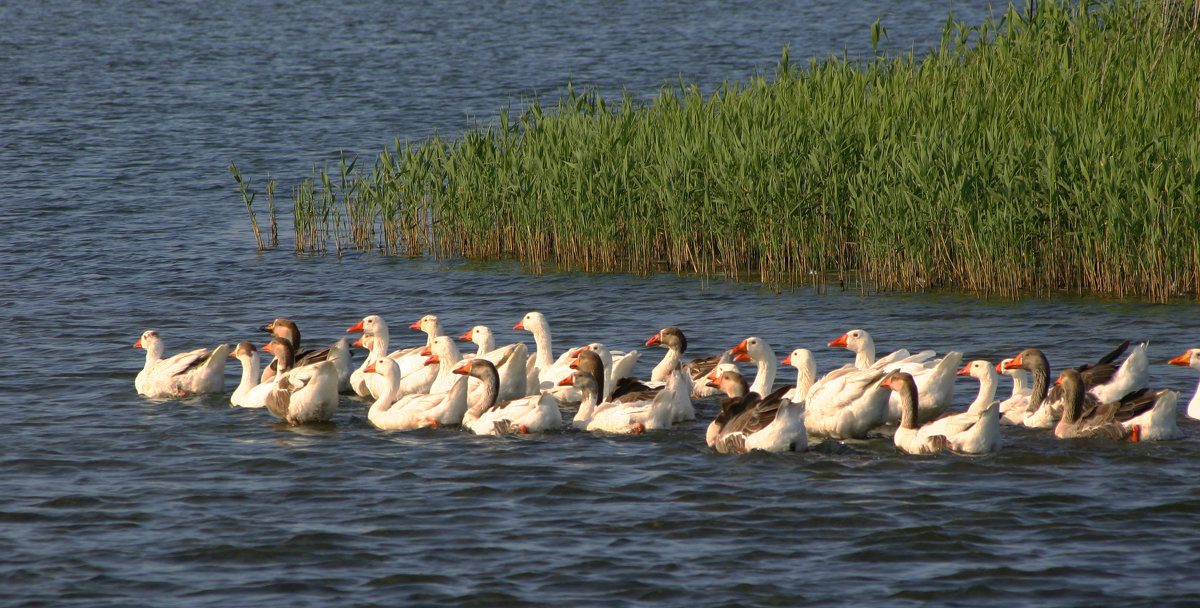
121	216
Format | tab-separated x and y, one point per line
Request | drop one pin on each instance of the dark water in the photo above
117	123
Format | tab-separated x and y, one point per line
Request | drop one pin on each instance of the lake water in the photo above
118	123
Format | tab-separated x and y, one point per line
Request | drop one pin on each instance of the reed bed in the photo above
1040	151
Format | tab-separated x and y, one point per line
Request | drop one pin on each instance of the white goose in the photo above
543	371
846	403
523	415
511	361
749	422
756	350
934	378
622	418
951	424
1012	409
414	411
197	371
249	392
1190	358
806	373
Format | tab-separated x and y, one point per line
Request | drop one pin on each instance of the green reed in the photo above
1057	151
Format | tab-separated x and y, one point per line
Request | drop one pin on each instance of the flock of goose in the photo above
500	390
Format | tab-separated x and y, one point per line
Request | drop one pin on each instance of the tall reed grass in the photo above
1047	150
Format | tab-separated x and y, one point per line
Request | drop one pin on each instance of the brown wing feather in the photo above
631	389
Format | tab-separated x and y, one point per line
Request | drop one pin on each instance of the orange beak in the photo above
574	363
466	336
425	352
787	360
1015	363
463	369
520	324
568	381
1183	360
416	325
1058	380
842	341
965	371
356	327
433	359
370	369
358	342
138	344
264	348
740	353
656	340
1000	368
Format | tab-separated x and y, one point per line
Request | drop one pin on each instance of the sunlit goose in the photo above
977	430
511	361
543	371
806	373
672	339
934	377
377	344
249	392
1140	416
749	422
846	403
448	357
1190	358
198	371
305	394
614	417
953	423
756	350
414	411
1012	409
491	417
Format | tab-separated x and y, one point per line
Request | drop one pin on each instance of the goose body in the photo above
846	403
305	394
249	392
934	377
908	436
193	372
747	422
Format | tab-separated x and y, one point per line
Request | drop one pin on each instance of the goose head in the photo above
1190	358
670	337
857	340
244	351
371	324
282	350
751	349
730	382
533	321
283	328
151	342
428	324
1071	384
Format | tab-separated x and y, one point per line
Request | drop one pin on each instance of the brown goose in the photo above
747	422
